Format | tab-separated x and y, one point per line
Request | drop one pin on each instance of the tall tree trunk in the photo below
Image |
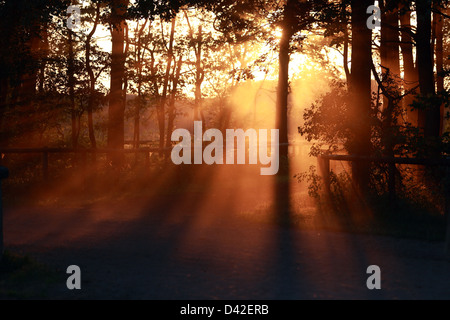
440	60
198	76
91	80
410	72
346	41
156	87
282	181
27	92
125	75
137	108
389	48
44	52
199	72
116	109
171	109
360	91
429	118
389	52
29	79
439	52
283	85
161	107
71	85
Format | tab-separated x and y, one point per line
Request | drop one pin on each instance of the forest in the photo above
92	91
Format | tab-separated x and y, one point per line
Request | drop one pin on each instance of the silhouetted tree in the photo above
360	91
116	109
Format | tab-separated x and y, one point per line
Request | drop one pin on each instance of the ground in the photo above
194	246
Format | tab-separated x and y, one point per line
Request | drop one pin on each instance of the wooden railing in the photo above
324	167
45	152
83	152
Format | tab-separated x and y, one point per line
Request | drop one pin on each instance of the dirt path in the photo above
194	248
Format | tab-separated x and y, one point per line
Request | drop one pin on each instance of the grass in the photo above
21	277
71	188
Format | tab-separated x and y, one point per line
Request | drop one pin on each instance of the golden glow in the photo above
278	33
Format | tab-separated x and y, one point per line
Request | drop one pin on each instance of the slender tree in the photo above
139	55
288	30
429	119
92	78
197	44
439	51
71	86
410	77
165	89
116	109
390	63
171	106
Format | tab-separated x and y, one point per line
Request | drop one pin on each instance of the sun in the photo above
278	33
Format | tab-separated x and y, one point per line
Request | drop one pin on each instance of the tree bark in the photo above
91	81
125	74
389	49
198	76
283	86
137	108
44	52
410	72
389	52
199	72
161	106
346	41
429	119
27	90
440	61
71	85
171	109
116	109
360	92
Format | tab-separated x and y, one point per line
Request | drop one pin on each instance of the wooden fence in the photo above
324	167
81	151
294	149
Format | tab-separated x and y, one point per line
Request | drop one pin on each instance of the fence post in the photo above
4	173
324	167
